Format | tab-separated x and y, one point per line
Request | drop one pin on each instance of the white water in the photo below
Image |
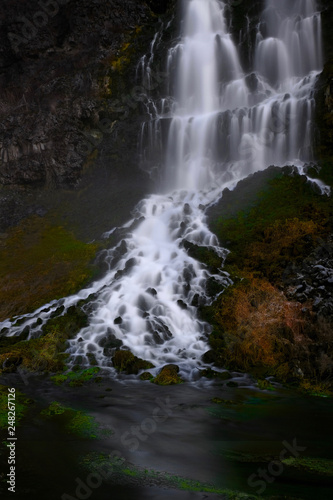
222	125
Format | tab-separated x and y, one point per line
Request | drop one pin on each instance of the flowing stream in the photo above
218	126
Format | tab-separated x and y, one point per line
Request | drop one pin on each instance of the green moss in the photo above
125	361
55	408
40	262
265	385
168	376
146	376
282	225
77	378
279	220
204	254
134	475
317	389
219	401
76	422
22	404
47	352
319	466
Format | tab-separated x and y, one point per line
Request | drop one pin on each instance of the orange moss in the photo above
260	326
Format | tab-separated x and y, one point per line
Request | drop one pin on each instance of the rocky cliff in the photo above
67	74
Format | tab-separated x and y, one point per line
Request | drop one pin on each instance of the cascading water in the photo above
221	125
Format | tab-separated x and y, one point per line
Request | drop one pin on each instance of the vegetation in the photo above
168	376
284	224
77	378
125	361
135	475
76	422
255	327
45	353
22	404
40	262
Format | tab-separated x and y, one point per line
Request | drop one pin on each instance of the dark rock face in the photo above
54	60
313	280
67	109
324	89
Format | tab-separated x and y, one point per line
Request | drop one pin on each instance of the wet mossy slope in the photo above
272	223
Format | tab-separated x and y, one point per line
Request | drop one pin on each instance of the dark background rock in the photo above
59	82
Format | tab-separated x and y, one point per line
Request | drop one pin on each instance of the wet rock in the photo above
92	359
195	300
168	375
125	361
118	321
160	331
232	384
130	263
210	357
146	376
187	209
151	291
181	304
144	303
11	363
212	374
189	274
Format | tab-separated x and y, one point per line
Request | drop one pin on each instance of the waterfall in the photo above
219	125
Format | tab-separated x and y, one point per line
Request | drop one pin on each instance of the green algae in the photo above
76	422
118	469
319	466
76	378
22	404
265	385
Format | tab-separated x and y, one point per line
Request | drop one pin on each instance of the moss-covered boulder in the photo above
146	376
125	361
46	353
168	376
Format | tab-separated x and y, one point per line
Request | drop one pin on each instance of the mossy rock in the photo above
69	324
210	373
146	376
283	221
203	254
44	354
168	376
265	385
125	361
